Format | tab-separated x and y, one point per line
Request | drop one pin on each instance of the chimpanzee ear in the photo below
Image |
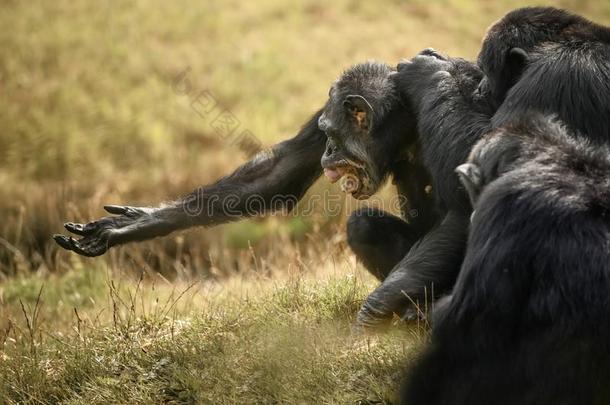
470	176
516	60
357	107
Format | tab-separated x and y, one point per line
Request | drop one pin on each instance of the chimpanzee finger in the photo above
89	250
432	52
62	241
116	209
79	229
403	64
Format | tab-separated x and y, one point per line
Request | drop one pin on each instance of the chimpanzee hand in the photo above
424	64
98	236
426	58
431	79
423	75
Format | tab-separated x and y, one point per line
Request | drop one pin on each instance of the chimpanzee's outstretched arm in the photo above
272	180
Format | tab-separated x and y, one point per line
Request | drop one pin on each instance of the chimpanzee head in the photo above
512	146
364	122
509	43
484	165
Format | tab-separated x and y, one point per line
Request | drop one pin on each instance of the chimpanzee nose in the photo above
330	154
331	149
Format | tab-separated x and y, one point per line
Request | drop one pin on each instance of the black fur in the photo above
529	318
370	151
566	73
379	239
450	120
511	43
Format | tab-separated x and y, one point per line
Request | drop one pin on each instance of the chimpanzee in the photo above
416	125
528	321
564	69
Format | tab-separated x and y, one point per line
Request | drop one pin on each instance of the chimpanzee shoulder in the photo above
450	117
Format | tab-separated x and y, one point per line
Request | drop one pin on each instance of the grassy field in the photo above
96	337
95	108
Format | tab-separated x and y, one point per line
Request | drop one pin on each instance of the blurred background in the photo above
116	102
96	108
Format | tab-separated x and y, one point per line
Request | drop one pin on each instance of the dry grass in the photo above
90	114
91	336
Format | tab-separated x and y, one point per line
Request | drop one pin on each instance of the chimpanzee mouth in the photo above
354	178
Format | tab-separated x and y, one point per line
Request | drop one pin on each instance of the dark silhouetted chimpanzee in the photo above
529	318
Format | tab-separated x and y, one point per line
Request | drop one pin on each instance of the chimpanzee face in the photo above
500	75
347	122
367	127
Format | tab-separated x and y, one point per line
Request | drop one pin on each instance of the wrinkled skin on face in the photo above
356	120
369	128
347	124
